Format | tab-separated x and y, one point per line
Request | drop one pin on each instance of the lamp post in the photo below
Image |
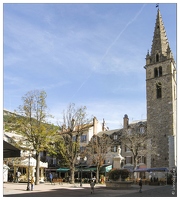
80	162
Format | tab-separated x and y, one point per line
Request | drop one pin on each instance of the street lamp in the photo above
80	162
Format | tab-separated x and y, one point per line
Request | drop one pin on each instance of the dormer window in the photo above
115	137
141	130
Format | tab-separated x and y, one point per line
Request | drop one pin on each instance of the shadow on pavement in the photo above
165	191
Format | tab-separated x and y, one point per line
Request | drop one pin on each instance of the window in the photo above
127	149
157	57
128	160
82	149
141	130
142	159
54	161
157	71
83	138
113	148
115	137
159	90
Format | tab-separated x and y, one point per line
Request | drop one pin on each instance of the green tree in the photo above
34	126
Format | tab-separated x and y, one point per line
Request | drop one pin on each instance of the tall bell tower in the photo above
161	98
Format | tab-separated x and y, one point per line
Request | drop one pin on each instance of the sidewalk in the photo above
74	190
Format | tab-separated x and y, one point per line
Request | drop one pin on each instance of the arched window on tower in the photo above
157	57
159	90
155	72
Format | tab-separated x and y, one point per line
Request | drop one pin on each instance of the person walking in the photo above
140	185
94	179
32	183
17	176
92	184
50	177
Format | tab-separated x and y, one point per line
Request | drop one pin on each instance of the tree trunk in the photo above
97	175
72	174
37	168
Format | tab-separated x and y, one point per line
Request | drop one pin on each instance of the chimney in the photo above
104	125
95	121
126	121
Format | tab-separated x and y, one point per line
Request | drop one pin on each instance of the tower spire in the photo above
160	42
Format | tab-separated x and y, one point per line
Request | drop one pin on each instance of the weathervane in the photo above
157	5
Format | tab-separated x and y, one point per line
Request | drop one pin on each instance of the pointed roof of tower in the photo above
160	42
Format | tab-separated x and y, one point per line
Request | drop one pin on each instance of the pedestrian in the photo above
17	177
92	184
50	177
32	183
140	185
11	177
94	179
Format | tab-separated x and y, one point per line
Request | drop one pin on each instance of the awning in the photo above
103	169
129	168
141	170
62	170
10	151
86	169
160	169
106	168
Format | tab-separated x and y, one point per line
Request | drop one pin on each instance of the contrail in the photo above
108	49
130	22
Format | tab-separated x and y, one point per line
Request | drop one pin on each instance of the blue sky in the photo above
92	55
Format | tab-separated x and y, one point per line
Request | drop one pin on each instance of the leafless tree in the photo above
97	150
135	139
75	122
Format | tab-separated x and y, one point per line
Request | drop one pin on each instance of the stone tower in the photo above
161	99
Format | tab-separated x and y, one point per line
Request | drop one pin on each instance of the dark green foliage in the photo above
115	174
